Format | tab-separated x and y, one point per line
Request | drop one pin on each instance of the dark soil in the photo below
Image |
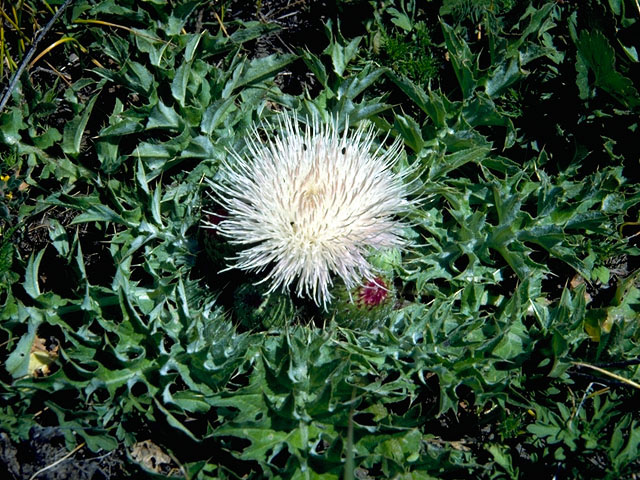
45	452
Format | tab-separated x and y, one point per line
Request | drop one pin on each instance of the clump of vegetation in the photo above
411	54
480	11
402	40
501	336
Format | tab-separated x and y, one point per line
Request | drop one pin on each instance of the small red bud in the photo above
373	293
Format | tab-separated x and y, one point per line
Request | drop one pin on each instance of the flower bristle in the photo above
311	203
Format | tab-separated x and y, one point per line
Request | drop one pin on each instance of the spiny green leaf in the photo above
74	130
99	213
462	60
11	123
179	84
163	116
262	68
216	114
17	363
596	52
341	55
31	284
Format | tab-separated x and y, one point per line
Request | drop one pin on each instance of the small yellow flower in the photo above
9	195
5	178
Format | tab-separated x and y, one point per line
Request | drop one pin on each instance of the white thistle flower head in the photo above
311	204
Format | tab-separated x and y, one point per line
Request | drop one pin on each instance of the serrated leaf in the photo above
262	440
400	19
462	60
510	346
59	238
146	42
505	74
156	209
74	130
179	83
456	160
410	132
216	113
141	176
502	458
139	78
251	31
31	284
125	125
179	16
174	422
341	55
353	86
98	443
192	45
163	116
10	125
544	431
99	213
17	363
47	139
262	68
190	401
415	93
316	66
596	52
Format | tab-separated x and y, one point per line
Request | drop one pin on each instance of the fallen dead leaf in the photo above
41	358
576	281
152	457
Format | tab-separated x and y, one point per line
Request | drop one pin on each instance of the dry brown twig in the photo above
25	61
57	462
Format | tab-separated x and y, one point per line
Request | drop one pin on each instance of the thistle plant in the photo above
367	304
311	203
373	293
